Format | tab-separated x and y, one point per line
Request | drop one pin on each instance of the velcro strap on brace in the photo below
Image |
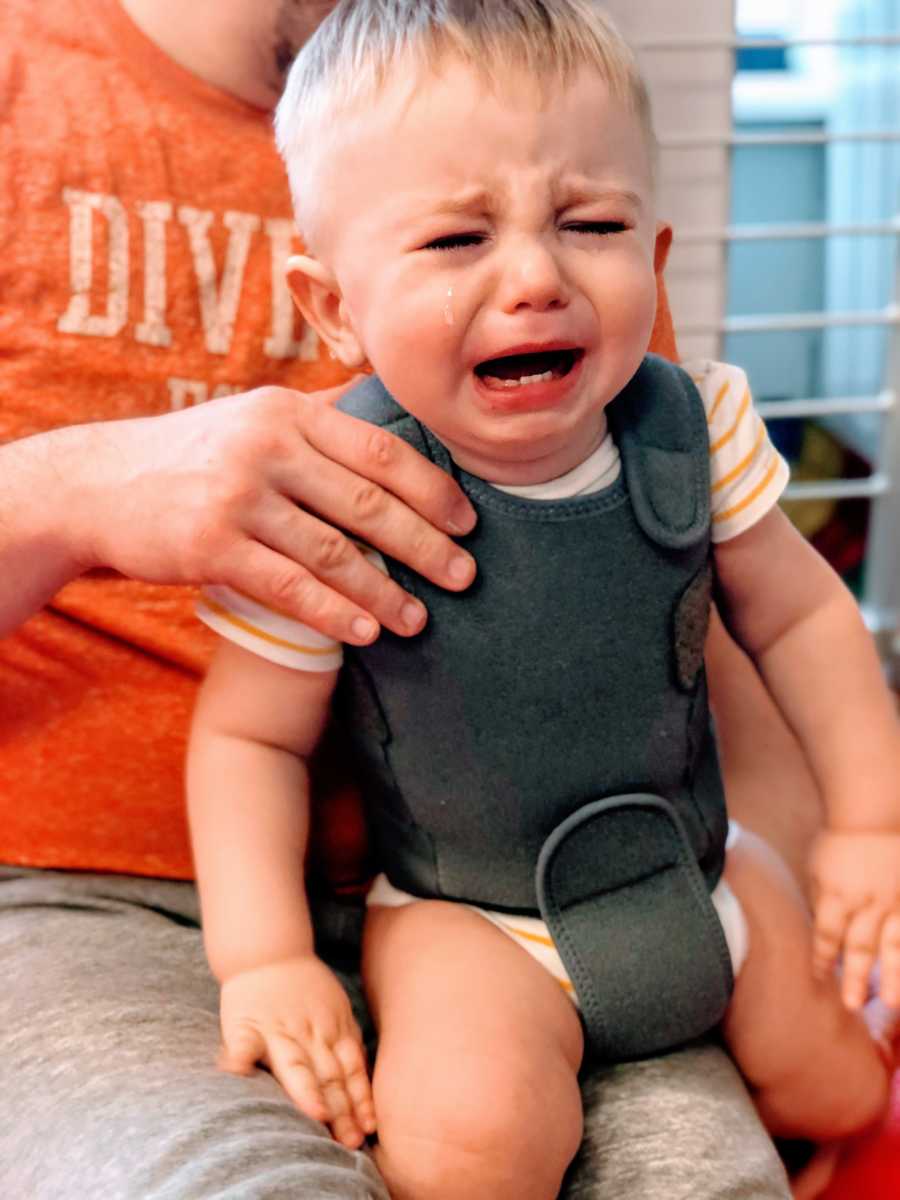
631	916
659	424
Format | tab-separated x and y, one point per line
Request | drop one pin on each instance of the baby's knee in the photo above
862	1100
504	1142
838	1088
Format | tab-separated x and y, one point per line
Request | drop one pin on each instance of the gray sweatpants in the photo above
108	1088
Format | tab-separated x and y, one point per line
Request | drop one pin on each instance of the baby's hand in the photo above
856	882
294	1018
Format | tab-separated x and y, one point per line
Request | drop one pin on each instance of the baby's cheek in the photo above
413	350
429	327
635	307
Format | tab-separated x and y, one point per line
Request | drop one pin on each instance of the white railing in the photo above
881	600
714	42
796	231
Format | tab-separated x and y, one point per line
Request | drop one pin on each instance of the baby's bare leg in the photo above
813	1065
476	1090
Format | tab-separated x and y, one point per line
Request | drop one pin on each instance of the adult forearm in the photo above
257	491
40	540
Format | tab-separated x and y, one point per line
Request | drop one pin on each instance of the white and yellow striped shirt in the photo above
747	476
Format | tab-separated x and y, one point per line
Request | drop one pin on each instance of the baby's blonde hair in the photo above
355	50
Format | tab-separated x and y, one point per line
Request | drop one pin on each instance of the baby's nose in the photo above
532	278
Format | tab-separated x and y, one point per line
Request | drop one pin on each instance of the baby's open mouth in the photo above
518	370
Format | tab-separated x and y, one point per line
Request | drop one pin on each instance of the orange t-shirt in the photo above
144	219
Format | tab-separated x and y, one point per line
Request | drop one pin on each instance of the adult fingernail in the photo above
364	629
461	568
413	615
461	520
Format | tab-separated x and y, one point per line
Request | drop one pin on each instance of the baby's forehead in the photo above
457	87
430	127
371	52
414	74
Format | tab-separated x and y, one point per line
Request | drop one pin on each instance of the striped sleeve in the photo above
271	634
747	473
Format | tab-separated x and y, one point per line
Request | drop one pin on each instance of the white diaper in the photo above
531	932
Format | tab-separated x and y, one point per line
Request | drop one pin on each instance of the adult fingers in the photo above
889	989
380	519
333	394
831	916
375	454
335	560
373	484
860	952
281	584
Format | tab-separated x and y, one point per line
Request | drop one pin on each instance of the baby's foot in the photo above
813	1178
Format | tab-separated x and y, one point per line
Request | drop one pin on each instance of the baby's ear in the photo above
317	295
663	244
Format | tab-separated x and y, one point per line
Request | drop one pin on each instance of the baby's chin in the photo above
519	462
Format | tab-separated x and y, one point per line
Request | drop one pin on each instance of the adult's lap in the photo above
108	1037
677	1127
108	1084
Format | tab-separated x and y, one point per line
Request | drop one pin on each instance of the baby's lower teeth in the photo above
514	383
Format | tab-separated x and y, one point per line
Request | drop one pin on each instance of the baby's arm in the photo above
254	726
802	627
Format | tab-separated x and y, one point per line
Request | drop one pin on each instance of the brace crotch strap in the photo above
630	912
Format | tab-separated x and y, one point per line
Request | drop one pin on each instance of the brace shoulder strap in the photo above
659	424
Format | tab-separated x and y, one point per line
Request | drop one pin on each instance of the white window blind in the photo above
847	122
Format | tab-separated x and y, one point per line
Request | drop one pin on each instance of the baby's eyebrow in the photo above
472	200
569	195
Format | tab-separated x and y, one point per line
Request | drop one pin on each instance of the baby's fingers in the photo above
860	952
831	916
342	1120
352	1058
889	989
292	1066
242	1048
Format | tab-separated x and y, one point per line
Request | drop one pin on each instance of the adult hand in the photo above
246	491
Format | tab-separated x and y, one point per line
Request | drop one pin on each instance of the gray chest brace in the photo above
544	745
